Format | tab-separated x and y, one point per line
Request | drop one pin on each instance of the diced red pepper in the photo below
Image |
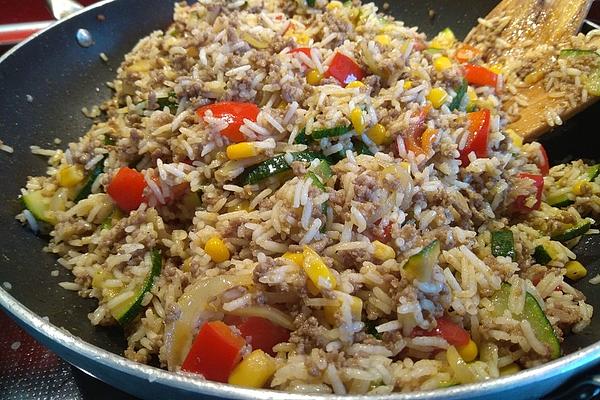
538	182
454	334
344	69
127	189
480	76
479	131
466	53
215	352
304	50
260	332
234	114
541	160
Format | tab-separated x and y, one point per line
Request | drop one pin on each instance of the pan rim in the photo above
64	340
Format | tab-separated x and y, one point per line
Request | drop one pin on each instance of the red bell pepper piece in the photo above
344	69
304	50
454	334
480	76
538	181
479	131
127	189
541	160
233	113
466	53
215	352
260	332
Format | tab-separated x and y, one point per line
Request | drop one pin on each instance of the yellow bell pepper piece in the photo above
469	351
581	187
442	63
254	371
516	138
355	84
509	369
334	4
316	270
69	176
437	96
383	39
383	252
575	270
217	249
496	68
239	151
357	119
356	306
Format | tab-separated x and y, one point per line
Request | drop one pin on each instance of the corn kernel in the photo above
254	371
383	39
407	84
316	270
239	151
442	63
378	134
581	187
356	117
469	351
437	97
509	369
301	38
533	77
216	249
69	176
575	270
516	138
443	40
355	84
496	68
383	252
313	77
334	4
296	258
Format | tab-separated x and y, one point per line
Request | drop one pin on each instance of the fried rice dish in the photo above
312	197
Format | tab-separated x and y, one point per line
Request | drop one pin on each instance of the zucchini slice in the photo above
572	232
330	132
593	172
275	165
38	205
503	244
420	265
460	94
560	200
541	255
126	311
533	313
86	190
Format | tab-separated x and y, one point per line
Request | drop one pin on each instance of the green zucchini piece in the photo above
361	148
330	132
86	190
275	165
561	200
323	171
503	244
593	172
114	216
310	3
316	181
128	310
169	101
460	94
370	328
302	137
420	265
38	205
541	255
109	140
565	53
571	233
592	83
532	312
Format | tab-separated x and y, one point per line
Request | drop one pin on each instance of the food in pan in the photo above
315	198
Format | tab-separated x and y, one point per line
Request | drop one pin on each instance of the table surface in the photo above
27	369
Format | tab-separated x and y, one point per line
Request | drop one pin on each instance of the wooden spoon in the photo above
516	23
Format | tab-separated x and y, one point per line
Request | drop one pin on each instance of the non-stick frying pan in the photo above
43	85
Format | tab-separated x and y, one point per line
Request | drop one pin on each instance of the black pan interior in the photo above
61	77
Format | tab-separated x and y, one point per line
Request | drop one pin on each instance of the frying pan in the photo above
45	82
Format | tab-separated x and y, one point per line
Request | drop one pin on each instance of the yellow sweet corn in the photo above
316	270
383	39
469	351
575	270
533	77
383	252
314	77
378	134
516	138
509	369
254	371
296	258
216	249
358	122
443	40
334	4
472	97
355	84
496	68
356	306
239	151
69	176
437	97
442	63
581	187
407	84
